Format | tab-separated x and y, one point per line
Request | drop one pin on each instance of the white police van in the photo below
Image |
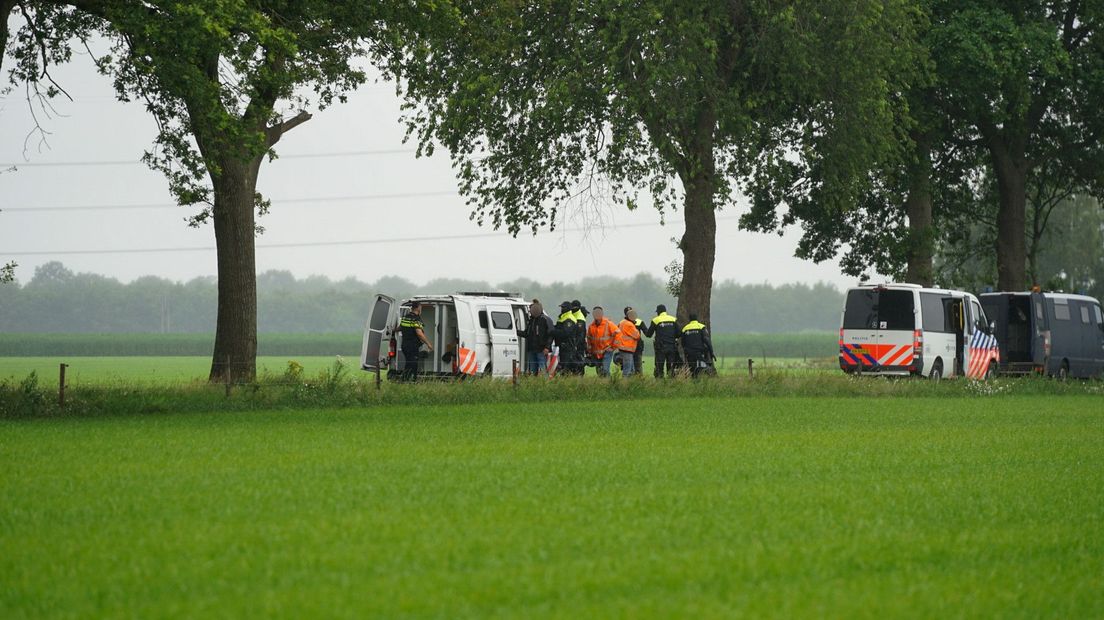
905	329
473	333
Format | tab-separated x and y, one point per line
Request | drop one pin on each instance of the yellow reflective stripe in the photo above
664	318
693	325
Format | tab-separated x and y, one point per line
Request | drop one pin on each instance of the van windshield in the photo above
879	309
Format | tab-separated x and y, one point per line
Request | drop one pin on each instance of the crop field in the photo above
705	507
798	345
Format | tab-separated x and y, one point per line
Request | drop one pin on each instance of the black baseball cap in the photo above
661	308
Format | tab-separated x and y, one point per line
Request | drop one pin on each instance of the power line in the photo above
314	244
135	162
283	201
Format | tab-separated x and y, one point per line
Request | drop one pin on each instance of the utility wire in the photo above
282	201
135	162
314	244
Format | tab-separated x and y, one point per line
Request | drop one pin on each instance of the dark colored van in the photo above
1056	334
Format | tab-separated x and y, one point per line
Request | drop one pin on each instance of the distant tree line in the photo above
58	300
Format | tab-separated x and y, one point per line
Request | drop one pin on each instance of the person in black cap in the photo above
664	332
413	337
565	335
697	345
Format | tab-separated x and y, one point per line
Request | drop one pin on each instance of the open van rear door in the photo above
505	346
377	332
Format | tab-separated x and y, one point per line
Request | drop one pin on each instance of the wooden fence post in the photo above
61	385
751	373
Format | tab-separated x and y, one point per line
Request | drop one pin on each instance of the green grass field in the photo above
799	345
707	507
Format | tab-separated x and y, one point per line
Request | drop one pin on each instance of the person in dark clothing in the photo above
565	335
538	339
697	345
580	314
664	332
413	337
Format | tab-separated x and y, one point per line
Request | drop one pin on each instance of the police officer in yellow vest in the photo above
664	332
697	345
413	337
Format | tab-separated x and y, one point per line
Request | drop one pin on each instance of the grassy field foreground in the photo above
708	507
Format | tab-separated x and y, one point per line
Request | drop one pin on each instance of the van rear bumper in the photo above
892	371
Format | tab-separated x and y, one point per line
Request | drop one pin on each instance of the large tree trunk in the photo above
235	228
918	207
699	250
6	8
1011	171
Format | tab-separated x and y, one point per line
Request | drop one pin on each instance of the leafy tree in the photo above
550	106
1026	77
7	272
225	80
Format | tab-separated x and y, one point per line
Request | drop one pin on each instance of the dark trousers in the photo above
638	361
410	366
695	360
668	359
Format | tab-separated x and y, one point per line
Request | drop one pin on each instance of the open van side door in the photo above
375	349
1041	342
505	346
955	308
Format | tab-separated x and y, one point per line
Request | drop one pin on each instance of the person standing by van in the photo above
697	345
538	339
413	337
627	341
565	334
601	340
664	332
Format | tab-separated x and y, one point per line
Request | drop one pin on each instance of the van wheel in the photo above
488	370
1063	371
937	371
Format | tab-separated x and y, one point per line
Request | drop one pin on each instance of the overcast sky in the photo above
316	165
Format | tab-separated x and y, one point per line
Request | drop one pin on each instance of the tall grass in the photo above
338	386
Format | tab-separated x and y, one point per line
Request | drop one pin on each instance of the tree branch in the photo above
275	132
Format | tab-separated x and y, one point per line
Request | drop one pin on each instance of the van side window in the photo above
1099	318
483	319
1085	315
1039	310
502	320
934	315
1061	310
979	316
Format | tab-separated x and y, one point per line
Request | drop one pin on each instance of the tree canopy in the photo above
552	105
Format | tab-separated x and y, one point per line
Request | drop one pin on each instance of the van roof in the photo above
1046	294
452	297
909	287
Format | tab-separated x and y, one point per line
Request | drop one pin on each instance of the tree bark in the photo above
918	207
699	250
235	188
1011	171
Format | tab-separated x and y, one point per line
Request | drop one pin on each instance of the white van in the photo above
472	334
905	329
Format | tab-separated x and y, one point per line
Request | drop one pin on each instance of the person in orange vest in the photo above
601	337
628	338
